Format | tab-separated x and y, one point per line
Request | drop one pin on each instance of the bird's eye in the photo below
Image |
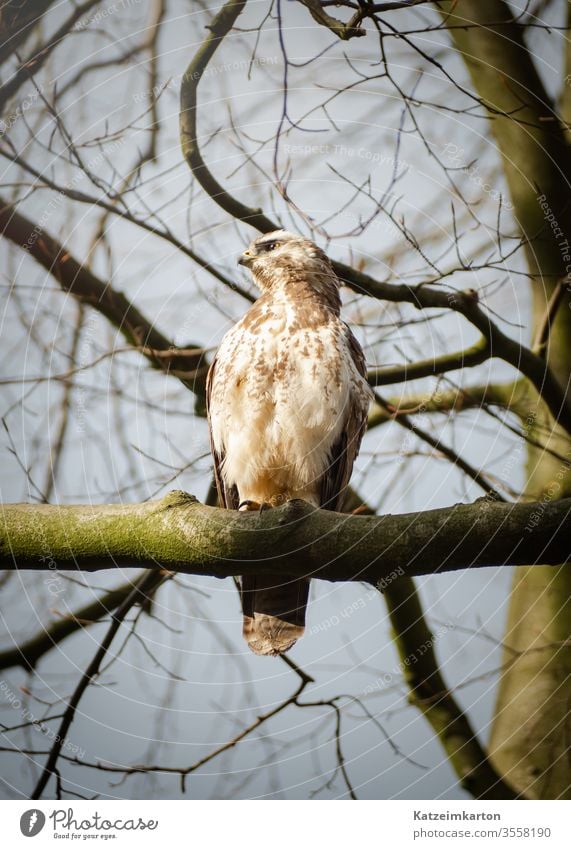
270	246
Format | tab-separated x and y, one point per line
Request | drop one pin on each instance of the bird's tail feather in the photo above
274	611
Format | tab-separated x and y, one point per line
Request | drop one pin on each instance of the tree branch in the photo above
509	395
342	30
33	63
429	693
17	19
427	688
79	281
180	534
27	654
467	358
146	583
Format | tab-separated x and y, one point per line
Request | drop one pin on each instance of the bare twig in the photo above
144	585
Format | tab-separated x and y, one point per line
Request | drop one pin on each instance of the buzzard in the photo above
287	402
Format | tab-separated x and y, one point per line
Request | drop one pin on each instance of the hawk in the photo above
287	405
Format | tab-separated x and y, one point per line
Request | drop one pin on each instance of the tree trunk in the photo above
529	741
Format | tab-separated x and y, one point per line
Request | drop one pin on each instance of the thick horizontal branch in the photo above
180	534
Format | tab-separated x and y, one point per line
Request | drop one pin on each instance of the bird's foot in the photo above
248	505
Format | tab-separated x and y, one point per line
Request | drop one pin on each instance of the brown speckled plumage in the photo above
287	409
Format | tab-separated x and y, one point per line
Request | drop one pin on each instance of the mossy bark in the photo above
180	534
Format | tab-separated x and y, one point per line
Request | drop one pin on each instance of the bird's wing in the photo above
336	479
227	496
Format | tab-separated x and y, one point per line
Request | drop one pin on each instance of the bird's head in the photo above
285	257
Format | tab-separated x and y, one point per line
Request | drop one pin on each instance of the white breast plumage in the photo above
280	398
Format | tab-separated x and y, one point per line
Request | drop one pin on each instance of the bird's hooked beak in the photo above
247	258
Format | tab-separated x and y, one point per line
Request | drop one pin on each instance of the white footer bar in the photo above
240	824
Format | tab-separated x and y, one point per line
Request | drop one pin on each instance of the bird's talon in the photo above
247	505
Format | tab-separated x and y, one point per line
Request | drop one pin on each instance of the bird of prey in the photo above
287	402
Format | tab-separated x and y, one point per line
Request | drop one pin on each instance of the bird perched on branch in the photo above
287	402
